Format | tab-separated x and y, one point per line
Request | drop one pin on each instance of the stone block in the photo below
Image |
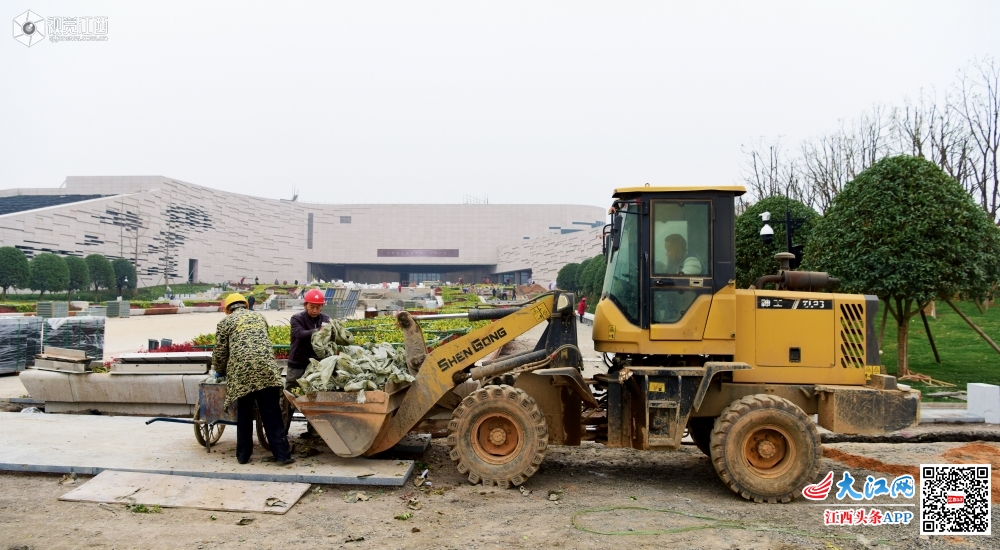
128	388
984	400
47	385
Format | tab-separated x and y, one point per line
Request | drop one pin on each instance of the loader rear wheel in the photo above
498	436
700	430
765	448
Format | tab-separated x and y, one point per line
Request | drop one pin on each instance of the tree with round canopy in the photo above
908	233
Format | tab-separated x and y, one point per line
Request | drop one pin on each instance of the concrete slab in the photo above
954	416
984	400
58	443
227	495
10	386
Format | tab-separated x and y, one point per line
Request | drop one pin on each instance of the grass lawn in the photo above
965	356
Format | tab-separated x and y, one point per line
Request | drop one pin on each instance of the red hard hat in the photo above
314	296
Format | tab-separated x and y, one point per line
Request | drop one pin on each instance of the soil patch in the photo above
531	289
872	464
979	453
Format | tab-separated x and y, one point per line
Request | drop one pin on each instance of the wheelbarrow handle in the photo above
177	420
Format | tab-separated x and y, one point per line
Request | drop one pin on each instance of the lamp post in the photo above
791	224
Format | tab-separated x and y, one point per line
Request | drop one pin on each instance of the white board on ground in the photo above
189	492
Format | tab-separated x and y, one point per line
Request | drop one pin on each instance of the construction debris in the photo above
347	367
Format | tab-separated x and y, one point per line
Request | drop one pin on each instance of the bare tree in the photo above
825	167
934	130
133	228
769	172
832	160
979	88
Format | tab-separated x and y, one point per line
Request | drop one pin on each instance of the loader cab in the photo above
669	251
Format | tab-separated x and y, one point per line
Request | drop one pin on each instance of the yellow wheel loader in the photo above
740	370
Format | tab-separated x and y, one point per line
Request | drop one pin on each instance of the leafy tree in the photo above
102	275
908	233
79	274
14	270
48	273
592	276
754	259
125	277
579	286
566	278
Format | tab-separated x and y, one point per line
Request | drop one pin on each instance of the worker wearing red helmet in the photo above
304	324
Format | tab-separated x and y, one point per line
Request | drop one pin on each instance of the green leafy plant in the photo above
567	277
79	274
14	269
49	273
143	509
754	258
102	275
906	232
125	277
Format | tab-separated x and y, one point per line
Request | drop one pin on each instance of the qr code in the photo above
955	499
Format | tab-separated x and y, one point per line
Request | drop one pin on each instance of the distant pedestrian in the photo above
513	293
581	308
494	293
256	281
250	301
241	280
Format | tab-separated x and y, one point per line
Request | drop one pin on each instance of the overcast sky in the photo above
426	102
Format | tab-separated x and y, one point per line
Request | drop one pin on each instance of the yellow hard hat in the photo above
232	299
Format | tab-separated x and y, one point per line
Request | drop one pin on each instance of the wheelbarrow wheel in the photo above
214	433
286	420
498	435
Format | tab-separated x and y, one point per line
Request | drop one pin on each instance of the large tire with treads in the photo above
498	435
765	448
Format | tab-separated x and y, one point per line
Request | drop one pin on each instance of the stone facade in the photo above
546	256
166	226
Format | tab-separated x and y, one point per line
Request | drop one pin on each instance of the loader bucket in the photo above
349	427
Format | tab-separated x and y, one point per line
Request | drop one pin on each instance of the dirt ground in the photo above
629	493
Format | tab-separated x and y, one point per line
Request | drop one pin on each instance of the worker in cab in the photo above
304	324
244	354
678	261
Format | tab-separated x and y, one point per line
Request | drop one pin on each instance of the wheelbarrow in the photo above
210	417
350	422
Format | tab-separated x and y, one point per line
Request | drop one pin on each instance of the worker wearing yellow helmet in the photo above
244	354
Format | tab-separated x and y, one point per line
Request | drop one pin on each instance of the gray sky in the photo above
421	102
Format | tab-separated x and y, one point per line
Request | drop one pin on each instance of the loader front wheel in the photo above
498	435
765	448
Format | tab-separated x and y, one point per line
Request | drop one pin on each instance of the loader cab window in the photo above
682	238
621	280
681	252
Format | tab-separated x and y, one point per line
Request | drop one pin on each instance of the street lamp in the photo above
791	224
766	233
